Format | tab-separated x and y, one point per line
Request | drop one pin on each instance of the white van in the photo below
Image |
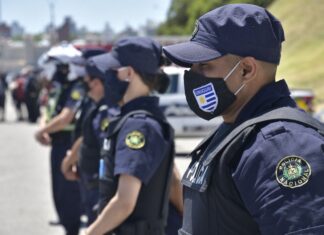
177	111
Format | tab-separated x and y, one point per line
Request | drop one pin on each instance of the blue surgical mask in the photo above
114	88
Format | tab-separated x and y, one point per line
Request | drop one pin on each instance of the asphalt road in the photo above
26	205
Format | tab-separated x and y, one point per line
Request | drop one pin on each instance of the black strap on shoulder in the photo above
120	121
284	114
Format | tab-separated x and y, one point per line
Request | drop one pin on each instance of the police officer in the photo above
64	98
260	172
138	151
69	163
93	132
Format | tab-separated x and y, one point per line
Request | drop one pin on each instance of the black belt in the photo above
140	228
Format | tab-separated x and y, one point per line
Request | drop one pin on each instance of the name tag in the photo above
197	176
106	145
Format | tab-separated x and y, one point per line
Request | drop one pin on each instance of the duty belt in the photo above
140	228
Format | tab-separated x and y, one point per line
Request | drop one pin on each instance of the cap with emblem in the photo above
239	29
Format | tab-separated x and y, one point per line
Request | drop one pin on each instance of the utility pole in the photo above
52	30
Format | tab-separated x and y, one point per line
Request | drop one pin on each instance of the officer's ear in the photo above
131	73
249	68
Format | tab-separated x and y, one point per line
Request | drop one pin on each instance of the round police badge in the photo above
293	171
135	140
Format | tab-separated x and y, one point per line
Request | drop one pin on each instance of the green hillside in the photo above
302	63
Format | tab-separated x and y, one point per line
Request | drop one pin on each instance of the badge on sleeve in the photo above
293	171
104	124
135	140
76	95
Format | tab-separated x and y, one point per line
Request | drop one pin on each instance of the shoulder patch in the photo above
104	124
135	140
76	95
293	171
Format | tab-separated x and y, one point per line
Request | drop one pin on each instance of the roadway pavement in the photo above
26	205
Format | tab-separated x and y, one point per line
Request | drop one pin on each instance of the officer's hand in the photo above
71	174
68	168
43	138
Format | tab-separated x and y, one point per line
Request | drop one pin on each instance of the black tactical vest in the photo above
210	180
62	96
150	213
90	148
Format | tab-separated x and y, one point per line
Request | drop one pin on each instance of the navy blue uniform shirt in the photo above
142	162
279	175
101	120
284	207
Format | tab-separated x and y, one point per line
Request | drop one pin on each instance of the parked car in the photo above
186	123
304	99
177	111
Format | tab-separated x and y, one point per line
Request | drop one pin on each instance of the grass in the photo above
302	61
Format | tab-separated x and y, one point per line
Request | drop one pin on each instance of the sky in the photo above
34	15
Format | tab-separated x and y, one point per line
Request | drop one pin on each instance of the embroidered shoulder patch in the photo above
293	171
76	95
104	124
135	140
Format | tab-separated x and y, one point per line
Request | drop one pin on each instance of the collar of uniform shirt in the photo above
143	102
272	94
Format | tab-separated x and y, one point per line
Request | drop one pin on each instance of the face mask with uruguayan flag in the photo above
206	97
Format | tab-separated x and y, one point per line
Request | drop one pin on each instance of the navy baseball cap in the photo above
239	29
141	53
96	66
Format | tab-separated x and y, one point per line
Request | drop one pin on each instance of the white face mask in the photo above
75	71
49	70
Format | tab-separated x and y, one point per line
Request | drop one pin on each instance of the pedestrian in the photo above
138	154
31	91
57	124
3	88
261	171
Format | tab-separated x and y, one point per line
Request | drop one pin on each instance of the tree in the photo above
182	14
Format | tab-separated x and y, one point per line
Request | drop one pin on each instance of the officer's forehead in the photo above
226	60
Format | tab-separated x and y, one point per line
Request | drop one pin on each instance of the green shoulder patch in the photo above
293	171
75	95
135	140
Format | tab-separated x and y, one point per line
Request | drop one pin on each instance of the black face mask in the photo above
86	87
114	88
208	97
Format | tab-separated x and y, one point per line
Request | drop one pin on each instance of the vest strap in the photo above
284	114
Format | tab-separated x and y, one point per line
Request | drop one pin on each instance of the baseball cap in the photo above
141	53
96	66
239	29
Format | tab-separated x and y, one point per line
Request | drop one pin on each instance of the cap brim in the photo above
187	53
106	61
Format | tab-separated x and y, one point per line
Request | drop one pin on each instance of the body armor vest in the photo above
150	213
212	178
90	148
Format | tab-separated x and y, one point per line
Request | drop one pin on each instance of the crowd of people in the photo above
25	89
112	149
